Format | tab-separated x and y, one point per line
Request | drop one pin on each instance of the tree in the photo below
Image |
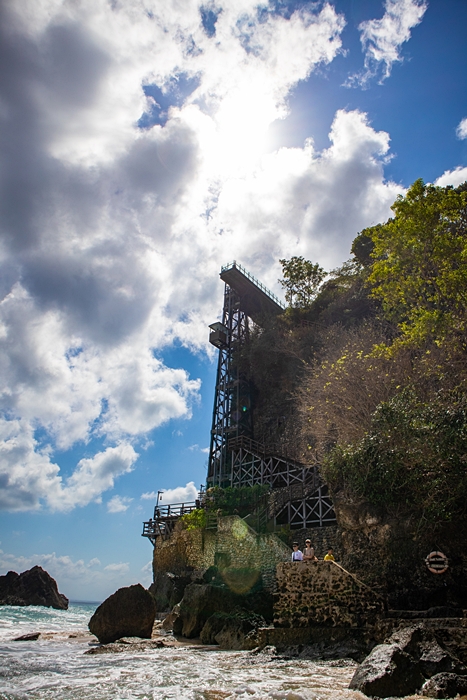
301	280
419	269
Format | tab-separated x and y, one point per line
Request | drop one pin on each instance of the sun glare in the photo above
241	130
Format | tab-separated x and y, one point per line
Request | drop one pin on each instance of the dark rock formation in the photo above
129	645
168	588
401	666
129	612
229	630
32	587
198	604
32	637
445	685
387	671
389	554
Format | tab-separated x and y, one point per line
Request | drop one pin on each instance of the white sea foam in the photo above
60	669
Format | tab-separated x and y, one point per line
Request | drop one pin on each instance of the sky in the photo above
145	143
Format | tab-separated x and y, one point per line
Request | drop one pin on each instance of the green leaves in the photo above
301	281
412	459
419	269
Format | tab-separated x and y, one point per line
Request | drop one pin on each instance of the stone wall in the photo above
232	546
323	593
321	538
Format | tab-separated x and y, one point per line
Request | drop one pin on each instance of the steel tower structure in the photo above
244	298
298	497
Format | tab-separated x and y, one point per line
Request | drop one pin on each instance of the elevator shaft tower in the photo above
245	298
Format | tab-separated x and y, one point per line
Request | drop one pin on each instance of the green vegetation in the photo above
232	501
301	280
419	268
366	371
412	459
194	520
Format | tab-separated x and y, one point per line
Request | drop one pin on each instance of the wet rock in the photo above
434	659
129	612
400	667
32	637
445	685
32	587
198	604
169	621
127	644
229	630
387	671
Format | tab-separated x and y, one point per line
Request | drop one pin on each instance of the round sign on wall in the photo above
437	562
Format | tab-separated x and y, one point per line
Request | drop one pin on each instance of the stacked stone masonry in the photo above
233	545
323	593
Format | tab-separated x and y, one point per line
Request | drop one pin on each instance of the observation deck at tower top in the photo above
255	299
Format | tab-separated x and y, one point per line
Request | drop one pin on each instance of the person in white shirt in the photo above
296	554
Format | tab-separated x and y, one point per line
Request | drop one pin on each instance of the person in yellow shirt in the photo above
329	556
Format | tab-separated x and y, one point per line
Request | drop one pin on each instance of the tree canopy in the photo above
301	280
419	269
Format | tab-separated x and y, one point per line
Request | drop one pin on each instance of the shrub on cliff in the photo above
413	458
194	520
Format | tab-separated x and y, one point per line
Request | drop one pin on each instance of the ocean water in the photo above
57	667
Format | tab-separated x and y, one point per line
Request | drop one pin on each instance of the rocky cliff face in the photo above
32	587
388	553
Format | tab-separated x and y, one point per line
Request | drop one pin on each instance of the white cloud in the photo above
452	177
118	504
112	235
197	448
120	569
74	576
382	38
149	496
29	477
180	494
461	130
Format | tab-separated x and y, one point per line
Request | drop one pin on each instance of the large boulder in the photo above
199	602
401	666
32	587
129	612
387	671
445	685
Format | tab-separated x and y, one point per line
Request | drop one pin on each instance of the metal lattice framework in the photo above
251	464
231	414
297	495
235	459
300	498
310	510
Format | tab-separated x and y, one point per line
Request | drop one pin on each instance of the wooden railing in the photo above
165	517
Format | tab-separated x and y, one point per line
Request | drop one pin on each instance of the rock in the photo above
129	612
229	630
124	645
32	587
445	685
32	637
198	604
169	621
387	671
168	588
400	667
434	660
